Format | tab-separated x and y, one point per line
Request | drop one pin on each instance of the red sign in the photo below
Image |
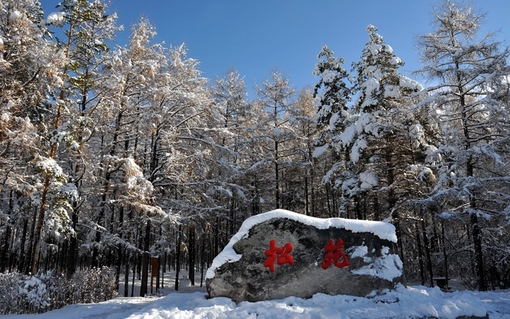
335	255
280	254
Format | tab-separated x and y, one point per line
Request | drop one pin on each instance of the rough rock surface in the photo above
374	263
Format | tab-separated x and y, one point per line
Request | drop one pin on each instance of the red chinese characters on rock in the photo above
335	255
280	254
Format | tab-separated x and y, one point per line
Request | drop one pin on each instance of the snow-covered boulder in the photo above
280	254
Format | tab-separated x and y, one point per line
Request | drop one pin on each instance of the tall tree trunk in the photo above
118	266
477	242
357	208
145	259
427	253
6	241
307	199
276	176
119	248
22	254
445	255
177	259
377	214
39	224
216	236
191	256
126	275
5	249
95	252
29	255
420	254
133	279
396	222
202	259
73	249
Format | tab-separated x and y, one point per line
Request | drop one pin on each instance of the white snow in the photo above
411	302
370	86
319	151
55	18
50	166
15	15
357	149
406	82
332	121
380	229
368	180
358	251
328	76
347	136
388	266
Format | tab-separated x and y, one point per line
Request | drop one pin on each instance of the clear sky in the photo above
258	36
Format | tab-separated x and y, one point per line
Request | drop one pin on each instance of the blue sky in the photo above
258	36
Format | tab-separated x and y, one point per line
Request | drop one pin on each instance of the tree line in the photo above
111	155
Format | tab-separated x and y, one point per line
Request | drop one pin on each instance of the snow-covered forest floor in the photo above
191	302
168	284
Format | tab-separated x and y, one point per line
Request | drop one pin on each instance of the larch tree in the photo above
231	112
127	120
275	97
301	182
470	69
185	150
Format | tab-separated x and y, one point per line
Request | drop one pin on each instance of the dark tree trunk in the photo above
276	173
95	253
119	248
5	249
39	224
358	208
29	254
126	275
216	236
133	280
202	260
118	266
427	253
306	195
145	260
177	259
420	255
191	256
72	252
6	242
445	255
477	242
396	223
377	214
22	254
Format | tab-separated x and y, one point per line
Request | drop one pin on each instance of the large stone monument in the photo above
280	254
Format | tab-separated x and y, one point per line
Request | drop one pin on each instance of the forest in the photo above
112	155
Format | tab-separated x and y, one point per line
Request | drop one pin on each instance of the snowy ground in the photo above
191	302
